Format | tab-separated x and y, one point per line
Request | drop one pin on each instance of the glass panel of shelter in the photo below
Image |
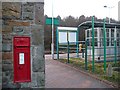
112	37
118	37
109	36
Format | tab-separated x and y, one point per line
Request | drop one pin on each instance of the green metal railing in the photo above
104	30
67	47
86	62
93	44
115	51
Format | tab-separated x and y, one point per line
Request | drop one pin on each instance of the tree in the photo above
69	21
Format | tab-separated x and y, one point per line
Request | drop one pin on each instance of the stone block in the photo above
18	29
26	85
0	57
0	28
7	62
1	21
41	79
4	79
28	4
0	38
7	38
7	67
8	75
11	10
7	56
39	13
38	50
38	80
37	34
6	47
0	74
28	7
28	16
0	49
34	80
38	62
38	65
11	85
17	23
22	30
6	29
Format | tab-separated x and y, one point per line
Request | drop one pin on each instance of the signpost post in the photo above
52	21
93	43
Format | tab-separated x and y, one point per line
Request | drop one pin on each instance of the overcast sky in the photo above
77	8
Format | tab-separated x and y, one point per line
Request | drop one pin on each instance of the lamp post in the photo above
52	45
109	10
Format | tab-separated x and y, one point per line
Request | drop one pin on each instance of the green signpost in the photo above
53	22
49	21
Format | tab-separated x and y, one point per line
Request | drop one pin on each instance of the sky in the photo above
77	8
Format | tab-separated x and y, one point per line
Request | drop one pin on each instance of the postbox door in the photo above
22	69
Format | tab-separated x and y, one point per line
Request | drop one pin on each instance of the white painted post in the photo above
52	45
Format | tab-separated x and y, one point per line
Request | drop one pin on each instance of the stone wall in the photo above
23	19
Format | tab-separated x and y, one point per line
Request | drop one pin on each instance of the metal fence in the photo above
90	53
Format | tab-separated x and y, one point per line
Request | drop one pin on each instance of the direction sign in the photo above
49	21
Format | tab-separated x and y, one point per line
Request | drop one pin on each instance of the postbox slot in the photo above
21	41
22	46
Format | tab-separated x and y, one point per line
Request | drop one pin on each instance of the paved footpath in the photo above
60	75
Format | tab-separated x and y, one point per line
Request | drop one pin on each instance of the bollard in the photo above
68	51
109	70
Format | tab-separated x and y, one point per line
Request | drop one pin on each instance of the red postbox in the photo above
22	64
